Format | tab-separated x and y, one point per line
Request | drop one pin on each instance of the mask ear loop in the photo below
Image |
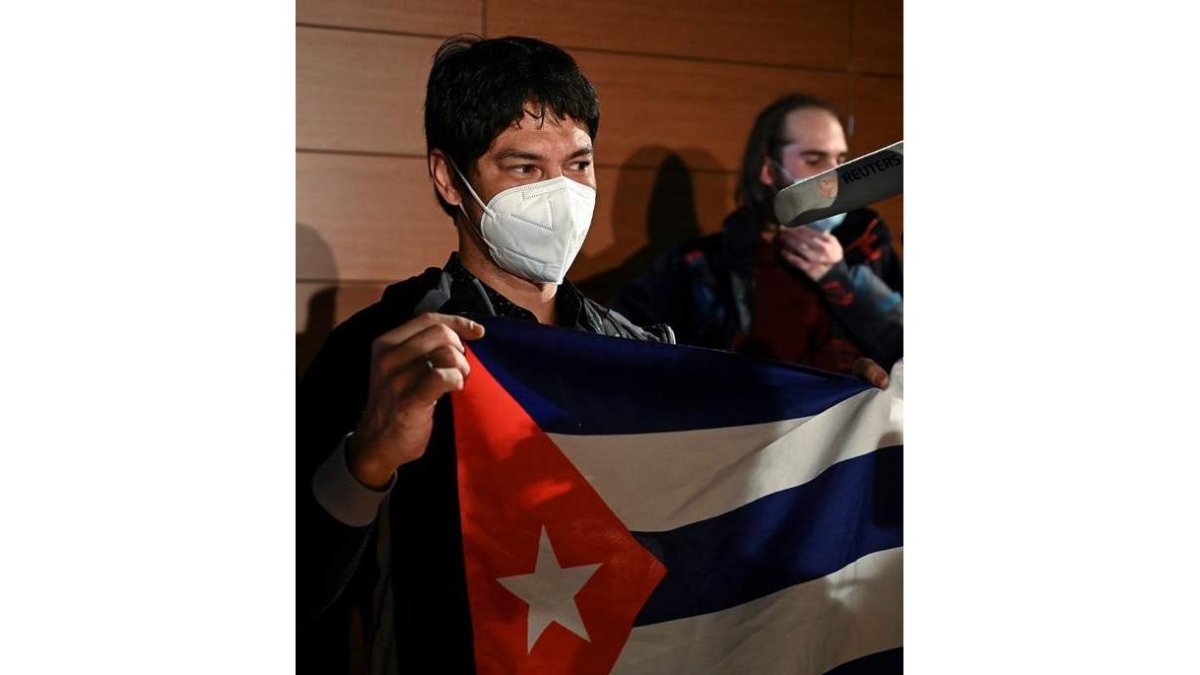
782	172
469	189
475	282
470	223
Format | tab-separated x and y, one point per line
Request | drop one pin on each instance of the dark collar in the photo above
471	294
742	238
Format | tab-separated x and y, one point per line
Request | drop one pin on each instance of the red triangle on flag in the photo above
514	483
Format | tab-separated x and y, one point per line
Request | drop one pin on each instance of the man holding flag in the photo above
509	126
399	527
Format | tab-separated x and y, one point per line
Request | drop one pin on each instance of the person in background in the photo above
823	294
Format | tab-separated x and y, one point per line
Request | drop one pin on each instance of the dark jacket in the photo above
705	289
407	564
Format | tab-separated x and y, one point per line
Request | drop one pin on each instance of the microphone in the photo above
855	184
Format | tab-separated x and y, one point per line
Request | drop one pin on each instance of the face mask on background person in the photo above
825	224
535	231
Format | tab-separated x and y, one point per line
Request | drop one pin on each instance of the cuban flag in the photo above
634	507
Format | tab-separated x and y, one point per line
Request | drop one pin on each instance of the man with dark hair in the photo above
823	294
510	124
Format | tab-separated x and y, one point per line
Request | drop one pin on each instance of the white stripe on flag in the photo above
656	482
806	629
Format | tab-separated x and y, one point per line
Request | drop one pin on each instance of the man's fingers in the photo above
449	357
436	382
803	233
413	365
401	380
810	264
809	242
790	239
418	346
412	376
464	327
794	248
872	372
795	260
808	237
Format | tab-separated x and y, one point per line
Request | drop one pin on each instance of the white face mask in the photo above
825	224
535	231
828	223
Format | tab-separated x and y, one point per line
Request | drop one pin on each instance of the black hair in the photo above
478	88
766	140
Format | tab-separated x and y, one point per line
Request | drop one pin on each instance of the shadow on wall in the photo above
314	260
654	209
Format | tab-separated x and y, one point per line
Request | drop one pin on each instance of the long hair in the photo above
767	138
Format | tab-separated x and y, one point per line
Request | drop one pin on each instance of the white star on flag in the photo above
550	592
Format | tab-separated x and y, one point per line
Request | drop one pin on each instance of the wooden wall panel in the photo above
367	218
878	110
320	306
431	17
640	213
700	109
810	33
322	303
361	91
878	121
877	41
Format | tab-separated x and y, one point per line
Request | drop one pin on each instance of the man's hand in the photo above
808	250
412	366
871	372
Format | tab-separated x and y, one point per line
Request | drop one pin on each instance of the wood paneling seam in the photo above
373	31
574	49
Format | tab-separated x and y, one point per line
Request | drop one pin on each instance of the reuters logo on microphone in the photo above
829	187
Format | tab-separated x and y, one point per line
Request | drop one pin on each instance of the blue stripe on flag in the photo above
592	384
803	533
887	661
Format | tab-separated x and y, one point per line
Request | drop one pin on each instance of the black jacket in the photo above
407	564
704	288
